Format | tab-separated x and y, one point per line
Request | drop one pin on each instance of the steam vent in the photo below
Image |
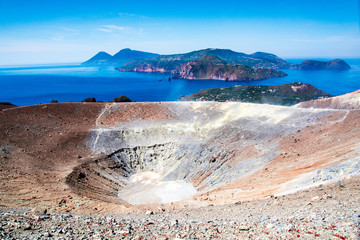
110	157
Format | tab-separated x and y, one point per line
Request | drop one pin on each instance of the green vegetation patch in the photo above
286	94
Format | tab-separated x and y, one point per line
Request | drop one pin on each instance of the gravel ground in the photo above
324	212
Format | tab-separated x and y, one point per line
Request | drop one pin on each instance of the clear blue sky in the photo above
53	31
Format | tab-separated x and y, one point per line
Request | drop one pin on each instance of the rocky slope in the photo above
4	105
212	67
336	64
170	63
324	212
91	149
286	94
80	157
347	101
120	58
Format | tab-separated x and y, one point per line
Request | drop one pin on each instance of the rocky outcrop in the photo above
149	67
89	100
122	98
212	67
4	105
286	94
171	63
336	64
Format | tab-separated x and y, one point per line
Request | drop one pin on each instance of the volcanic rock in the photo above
175	141
89	100
122	98
174	144
347	101
4	105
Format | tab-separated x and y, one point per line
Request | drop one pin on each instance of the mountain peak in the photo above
99	59
125	50
128	54
120	58
103	54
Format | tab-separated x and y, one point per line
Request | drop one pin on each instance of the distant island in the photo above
122	57
172	63
336	64
210	63
212	67
286	94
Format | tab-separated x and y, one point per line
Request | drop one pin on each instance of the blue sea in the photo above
28	85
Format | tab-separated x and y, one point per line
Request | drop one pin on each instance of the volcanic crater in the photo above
111	157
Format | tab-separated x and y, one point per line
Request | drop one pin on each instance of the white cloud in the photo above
125	14
104	30
69	29
58	38
113	28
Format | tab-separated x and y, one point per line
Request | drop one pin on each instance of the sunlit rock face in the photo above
193	148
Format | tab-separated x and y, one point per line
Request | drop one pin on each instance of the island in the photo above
336	64
172	63
286	94
127	60
212	67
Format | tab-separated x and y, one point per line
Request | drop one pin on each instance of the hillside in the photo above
120	58
286	94
212	67
170	63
